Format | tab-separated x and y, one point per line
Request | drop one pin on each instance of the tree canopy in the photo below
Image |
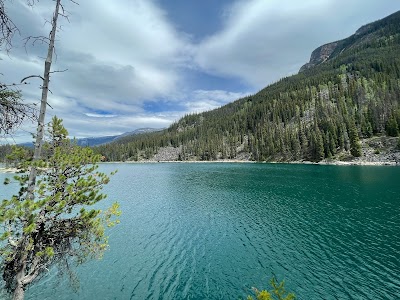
50	220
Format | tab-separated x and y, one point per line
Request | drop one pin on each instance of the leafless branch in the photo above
36	39
31	76
58	71
64	13
13	111
7	28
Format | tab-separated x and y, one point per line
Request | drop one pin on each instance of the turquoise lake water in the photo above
215	230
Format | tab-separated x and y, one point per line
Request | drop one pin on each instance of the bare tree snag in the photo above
43	102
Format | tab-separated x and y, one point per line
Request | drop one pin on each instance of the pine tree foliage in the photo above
59	224
278	292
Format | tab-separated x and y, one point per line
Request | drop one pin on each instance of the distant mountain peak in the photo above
101	140
97	141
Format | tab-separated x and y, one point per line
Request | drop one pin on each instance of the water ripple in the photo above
213	231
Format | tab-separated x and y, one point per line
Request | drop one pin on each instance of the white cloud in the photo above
84	126
126	46
100	115
263	41
124	31
258	40
203	100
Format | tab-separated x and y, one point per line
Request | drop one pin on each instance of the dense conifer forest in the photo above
322	112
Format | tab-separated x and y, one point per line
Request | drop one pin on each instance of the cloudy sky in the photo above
145	63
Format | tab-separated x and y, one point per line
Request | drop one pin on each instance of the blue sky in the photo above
146	63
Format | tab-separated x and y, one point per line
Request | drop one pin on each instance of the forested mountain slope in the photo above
350	90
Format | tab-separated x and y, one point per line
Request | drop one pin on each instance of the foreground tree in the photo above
58	225
49	222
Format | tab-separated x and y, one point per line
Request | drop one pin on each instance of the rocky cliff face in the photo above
320	55
363	35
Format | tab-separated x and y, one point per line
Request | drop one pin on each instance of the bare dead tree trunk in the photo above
23	279
43	103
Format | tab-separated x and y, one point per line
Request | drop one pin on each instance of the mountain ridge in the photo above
97	141
101	140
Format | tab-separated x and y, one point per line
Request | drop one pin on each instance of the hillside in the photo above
84	142
343	104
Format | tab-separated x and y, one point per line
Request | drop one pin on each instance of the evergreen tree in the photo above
355	146
317	145
57	225
392	128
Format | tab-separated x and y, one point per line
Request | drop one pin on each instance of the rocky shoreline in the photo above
355	162
376	151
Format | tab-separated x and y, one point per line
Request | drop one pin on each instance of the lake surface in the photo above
213	231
